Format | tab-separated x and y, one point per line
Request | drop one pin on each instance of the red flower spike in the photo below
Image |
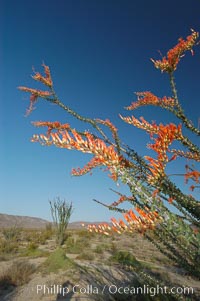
122	199
155	193
148	98
169	63
188	155
194	175
34	96
170	200
107	123
192	187
146	220
103	155
46	80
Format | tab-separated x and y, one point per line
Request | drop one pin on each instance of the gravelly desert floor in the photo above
93	274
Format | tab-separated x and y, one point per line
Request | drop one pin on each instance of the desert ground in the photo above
88	266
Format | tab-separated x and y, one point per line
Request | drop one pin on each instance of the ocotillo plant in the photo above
61	212
153	195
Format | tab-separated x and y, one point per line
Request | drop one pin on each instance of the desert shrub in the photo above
34	253
12	233
113	248
7	247
31	235
108	247
76	245
125	258
72	246
49	227
57	260
18	274
28	235
86	256
32	250
48	231
43	237
99	249
85	233
37	236
32	246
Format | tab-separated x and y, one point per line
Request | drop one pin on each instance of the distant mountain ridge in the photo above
8	220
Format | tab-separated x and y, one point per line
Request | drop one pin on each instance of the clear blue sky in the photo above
99	53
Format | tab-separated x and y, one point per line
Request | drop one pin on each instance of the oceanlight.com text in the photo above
113	289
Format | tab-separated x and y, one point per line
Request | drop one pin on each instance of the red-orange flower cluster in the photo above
165	136
148	98
143	124
143	221
34	96
122	199
107	123
193	175
56	125
170	200
94	162
169	63
46	80
189	155
103	154
157	170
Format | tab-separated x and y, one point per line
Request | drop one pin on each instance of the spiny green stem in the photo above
110	207
56	100
180	113
191	146
187	202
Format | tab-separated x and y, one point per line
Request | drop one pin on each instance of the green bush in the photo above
113	247
32	246
37	236
33	251
12	233
75	246
57	260
86	234
125	258
7	247
99	249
